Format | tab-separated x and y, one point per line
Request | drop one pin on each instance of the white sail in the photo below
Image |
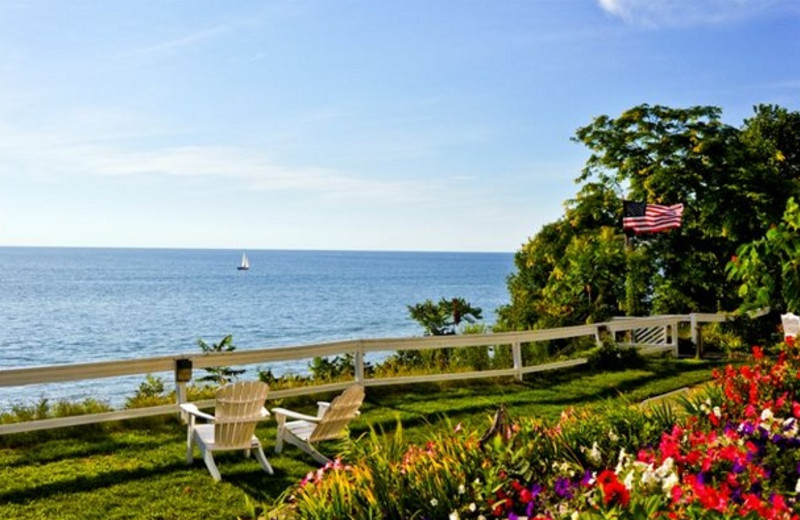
245	263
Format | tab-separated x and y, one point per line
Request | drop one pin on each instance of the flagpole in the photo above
629	296
630	290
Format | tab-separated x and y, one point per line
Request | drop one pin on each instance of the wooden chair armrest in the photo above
294	415
192	409
322	407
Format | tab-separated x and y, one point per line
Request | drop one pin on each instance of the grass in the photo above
138	470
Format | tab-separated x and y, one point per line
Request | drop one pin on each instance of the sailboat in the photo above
245	265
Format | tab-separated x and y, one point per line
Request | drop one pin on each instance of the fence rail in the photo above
657	334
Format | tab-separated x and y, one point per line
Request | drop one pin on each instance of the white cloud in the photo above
658	13
52	154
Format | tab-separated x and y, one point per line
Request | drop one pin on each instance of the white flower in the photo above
454	515
717	411
473	507
766	415
574	516
628	480
797	486
434	502
790	427
613	436
669	482
481	517
623	457
594	454
649	477
461	489
665	468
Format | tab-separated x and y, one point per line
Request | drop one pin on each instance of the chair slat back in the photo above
342	410
237	411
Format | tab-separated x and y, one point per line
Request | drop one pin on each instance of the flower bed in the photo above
734	454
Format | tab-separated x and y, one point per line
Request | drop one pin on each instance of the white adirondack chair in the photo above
238	408
330	422
791	325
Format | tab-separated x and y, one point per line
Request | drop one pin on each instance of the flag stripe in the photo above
651	218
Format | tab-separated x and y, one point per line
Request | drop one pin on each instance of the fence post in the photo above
516	351
674	338
183	374
598	334
359	363
698	352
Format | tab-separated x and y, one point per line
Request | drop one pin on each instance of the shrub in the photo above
612	356
44	410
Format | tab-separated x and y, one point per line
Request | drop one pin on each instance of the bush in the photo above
150	393
717	336
44	410
612	356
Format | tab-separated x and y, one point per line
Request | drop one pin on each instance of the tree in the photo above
769	268
443	318
730	180
219	375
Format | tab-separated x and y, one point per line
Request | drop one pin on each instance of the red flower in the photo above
676	493
616	493
606	478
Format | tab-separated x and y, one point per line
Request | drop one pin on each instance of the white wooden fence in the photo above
650	334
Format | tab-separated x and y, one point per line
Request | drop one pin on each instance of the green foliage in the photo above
720	336
42	410
733	182
443	318
612	356
149	393
438	319
769	268
219	375
335	368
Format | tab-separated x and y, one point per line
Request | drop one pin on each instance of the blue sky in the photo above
437	125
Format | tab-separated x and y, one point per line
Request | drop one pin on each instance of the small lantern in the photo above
183	370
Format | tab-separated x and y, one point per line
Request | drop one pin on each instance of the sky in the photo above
414	125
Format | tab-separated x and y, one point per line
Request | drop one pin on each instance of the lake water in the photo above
62	305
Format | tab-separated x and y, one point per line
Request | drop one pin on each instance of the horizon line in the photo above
212	248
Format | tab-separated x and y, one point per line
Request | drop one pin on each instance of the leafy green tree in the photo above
219	375
438	319
443	318
730	180
769	268
588	281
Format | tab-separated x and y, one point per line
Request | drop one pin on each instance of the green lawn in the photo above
138	471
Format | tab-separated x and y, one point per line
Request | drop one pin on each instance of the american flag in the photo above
640	217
